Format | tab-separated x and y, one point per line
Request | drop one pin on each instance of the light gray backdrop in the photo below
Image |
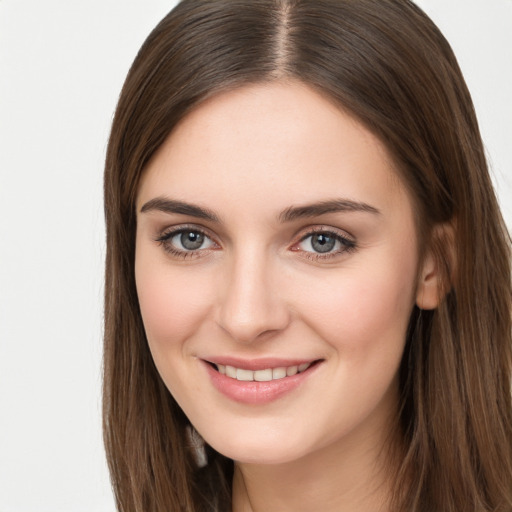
62	64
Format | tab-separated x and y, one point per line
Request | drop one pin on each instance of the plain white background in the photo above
62	64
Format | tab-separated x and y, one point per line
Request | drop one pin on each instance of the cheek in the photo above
171	303
365	307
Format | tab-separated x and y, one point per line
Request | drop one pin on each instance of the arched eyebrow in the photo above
332	206
166	205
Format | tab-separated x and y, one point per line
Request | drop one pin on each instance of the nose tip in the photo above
251	307
247	331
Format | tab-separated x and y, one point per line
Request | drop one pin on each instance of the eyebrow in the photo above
165	205
324	207
290	214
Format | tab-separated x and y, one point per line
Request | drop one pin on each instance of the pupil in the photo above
322	243
192	240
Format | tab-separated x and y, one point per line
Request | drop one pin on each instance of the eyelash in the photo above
165	241
348	245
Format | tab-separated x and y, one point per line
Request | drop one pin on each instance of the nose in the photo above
251	304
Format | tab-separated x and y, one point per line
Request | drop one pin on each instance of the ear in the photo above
437	270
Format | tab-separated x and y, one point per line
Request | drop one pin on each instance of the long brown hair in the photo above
388	64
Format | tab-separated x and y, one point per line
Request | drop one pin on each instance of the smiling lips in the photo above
258	382
265	375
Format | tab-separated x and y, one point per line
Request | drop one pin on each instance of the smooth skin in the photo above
228	263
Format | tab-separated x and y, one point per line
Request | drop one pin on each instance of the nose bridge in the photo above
250	304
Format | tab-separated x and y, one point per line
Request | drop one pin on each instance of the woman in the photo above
306	267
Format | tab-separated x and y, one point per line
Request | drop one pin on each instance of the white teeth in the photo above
231	372
291	370
278	373
261	375
247	375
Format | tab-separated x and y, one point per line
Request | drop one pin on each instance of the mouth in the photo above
263	375
259	381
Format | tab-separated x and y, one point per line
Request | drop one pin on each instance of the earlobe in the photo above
437	271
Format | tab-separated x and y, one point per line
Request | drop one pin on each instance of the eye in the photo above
325	244
190	240
185	242
319	242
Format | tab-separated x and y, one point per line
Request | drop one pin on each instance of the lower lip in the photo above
253	392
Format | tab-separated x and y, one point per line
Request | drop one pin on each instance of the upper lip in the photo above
259	363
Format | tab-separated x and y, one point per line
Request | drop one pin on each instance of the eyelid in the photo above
178	228
312	230
347	240
164	237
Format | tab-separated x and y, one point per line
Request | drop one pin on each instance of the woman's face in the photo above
276	262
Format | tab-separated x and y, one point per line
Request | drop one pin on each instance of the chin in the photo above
251	449
260	455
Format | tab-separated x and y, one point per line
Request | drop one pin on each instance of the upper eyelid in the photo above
174	230
312	230
165	236
300	235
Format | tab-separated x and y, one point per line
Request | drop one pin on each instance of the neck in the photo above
338	478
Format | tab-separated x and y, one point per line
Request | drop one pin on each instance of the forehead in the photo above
282	141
